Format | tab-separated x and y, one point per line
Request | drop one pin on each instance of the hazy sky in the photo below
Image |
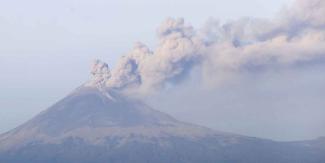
47	47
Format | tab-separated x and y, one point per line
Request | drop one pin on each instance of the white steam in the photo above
296	36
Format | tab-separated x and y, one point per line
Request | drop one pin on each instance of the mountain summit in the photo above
97	124
94	114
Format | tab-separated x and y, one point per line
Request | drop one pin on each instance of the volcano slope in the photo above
96	125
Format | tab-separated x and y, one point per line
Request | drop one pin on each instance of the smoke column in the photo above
296	35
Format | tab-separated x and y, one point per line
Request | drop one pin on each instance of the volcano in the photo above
95	124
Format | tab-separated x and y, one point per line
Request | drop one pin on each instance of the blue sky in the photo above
47	47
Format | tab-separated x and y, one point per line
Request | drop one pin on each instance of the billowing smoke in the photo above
297	35
178	51
100	73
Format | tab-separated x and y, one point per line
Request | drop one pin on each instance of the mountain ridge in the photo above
93	113
96	124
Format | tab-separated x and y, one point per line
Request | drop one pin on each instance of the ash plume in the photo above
296	35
